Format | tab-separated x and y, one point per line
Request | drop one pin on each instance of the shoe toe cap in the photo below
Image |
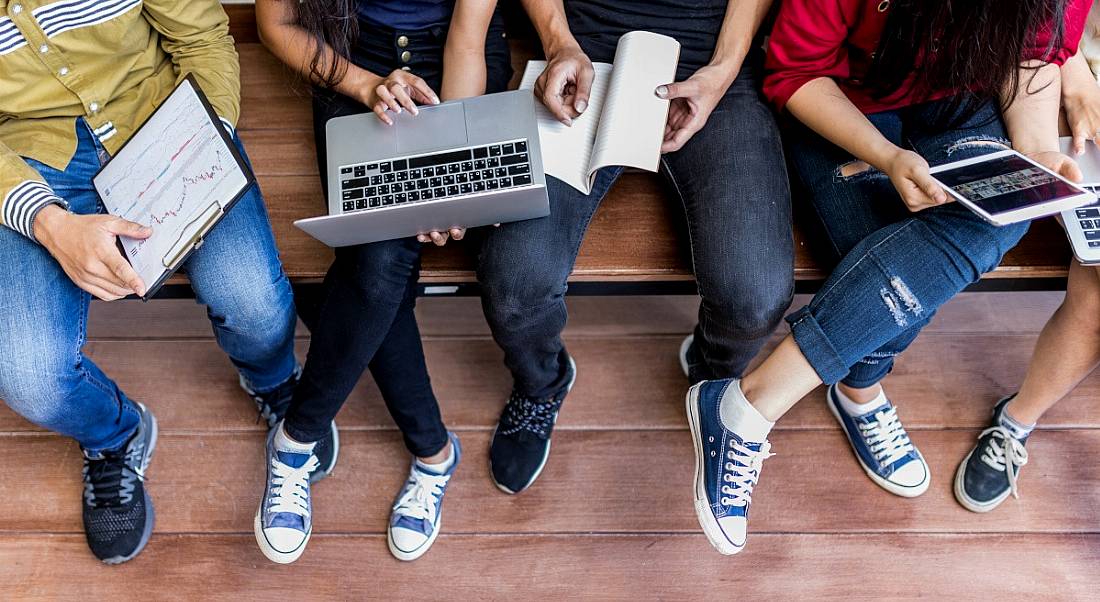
284	539
735	529
913	475
407	540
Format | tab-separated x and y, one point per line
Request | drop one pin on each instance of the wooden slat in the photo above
632	315
595	481
623	383
576	567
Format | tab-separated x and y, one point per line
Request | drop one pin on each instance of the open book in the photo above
625	121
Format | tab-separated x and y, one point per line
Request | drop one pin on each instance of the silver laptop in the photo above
465	163
1083	224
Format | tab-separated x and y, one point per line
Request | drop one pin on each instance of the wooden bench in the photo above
636	242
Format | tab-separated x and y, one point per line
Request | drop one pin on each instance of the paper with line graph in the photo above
178	174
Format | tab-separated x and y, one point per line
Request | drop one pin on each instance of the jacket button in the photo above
402	41
16	9
406	56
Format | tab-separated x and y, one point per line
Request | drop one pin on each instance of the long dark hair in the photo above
974	47
331	22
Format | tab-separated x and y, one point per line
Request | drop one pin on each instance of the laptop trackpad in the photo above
436	127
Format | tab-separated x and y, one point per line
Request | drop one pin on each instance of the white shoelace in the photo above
289	491
422	490
1006	455
741	479
886	437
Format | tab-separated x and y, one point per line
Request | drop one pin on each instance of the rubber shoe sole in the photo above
966	501
893	488
545	455
418	552
711	529
684	346
150	514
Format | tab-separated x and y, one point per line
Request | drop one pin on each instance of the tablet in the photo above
1006	187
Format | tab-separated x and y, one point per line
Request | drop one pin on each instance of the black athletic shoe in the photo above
272	407
988	474
118	512
521	441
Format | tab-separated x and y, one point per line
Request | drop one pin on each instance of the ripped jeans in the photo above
895	268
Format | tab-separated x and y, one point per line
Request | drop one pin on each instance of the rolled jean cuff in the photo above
816	347
129	418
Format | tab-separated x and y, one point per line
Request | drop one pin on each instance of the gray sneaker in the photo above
118	512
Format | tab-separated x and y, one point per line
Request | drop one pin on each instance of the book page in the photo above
567	150
632	126
168	176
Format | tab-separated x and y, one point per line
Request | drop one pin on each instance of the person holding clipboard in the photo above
384	56
79	78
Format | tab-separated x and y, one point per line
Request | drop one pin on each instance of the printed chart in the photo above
172	175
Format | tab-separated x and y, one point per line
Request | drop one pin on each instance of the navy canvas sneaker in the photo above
284	521
988	474
521	441
418	510
272	407
726	469
882	448
118	512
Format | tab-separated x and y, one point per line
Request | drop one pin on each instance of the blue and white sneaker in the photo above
284	520
726	469
883	448
418	510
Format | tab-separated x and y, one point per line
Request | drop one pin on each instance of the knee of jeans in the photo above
975	146
38	385
263	311
380	271
749	315
511	291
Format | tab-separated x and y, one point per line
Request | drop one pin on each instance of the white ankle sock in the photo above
283	442
854	408
441	467
738	415
1017	429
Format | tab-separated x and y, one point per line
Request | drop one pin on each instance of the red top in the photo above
838	38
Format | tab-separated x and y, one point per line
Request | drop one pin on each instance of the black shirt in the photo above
598	24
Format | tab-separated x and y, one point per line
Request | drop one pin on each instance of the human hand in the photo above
440	238
396	92
692	102
909	173
1083	116
1058	163
566	83
86	248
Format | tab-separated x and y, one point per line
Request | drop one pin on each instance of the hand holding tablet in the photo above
1006	187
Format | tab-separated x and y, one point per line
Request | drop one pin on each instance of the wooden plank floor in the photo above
611	516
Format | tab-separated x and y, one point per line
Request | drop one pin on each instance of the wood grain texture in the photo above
943	381
571	567
212	483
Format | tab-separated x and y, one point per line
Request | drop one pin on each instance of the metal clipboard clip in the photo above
205	220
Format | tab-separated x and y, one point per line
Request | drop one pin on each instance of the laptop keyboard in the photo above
418	178
1088	217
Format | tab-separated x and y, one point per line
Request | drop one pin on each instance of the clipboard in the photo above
150	164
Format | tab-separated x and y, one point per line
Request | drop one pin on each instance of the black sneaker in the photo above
521	441
272	407
989	472
118	512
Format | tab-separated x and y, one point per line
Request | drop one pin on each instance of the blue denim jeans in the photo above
896	268
732	182
44	374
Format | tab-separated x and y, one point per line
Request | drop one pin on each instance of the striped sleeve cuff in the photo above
24	201
228	126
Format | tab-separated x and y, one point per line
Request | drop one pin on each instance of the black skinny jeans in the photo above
365	317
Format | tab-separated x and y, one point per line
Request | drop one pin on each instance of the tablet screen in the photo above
1004	184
